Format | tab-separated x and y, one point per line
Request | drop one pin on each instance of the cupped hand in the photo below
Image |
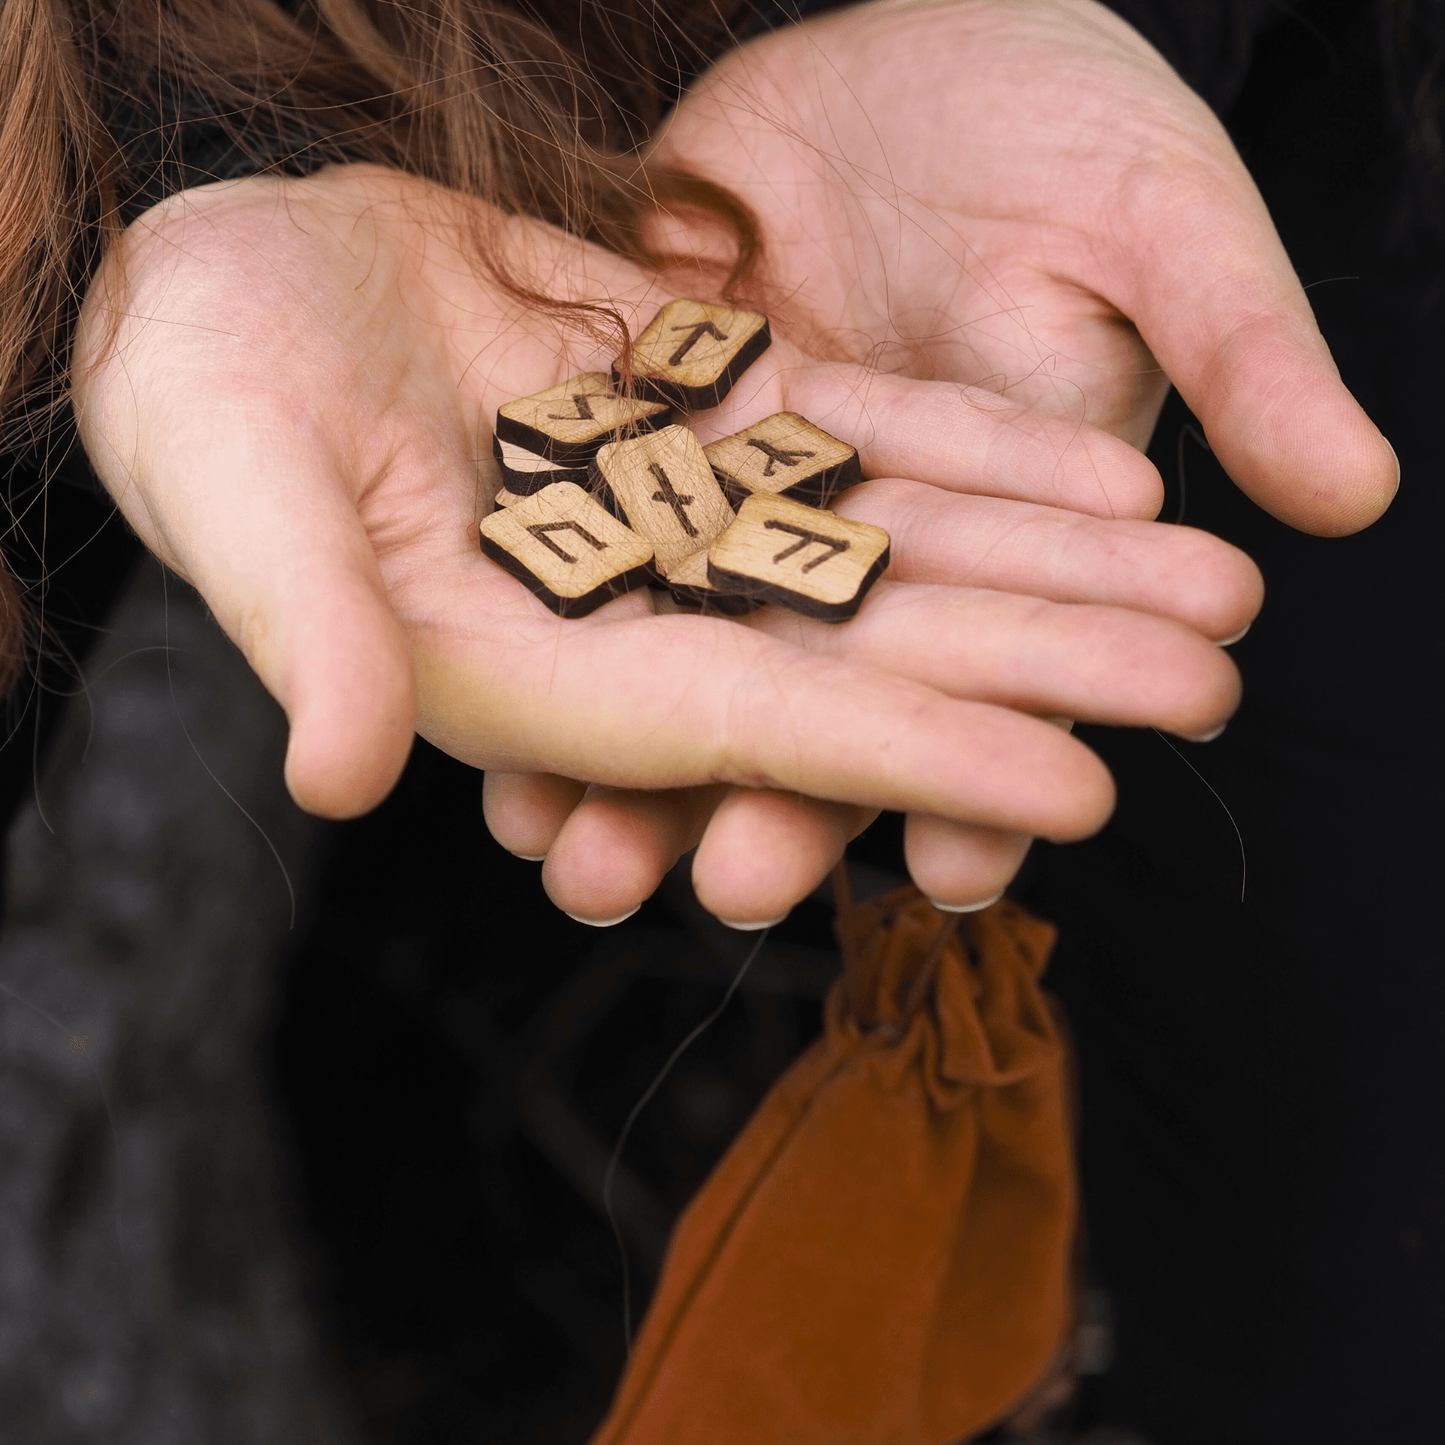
1023	196
287	386
1037	608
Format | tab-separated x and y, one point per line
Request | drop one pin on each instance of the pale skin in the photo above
1022	196
293	415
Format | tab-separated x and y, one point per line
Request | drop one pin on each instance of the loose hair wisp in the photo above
539	107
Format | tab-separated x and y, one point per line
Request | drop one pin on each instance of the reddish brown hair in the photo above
538	106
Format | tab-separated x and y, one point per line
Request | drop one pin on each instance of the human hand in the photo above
293	412
1021	195
1024	198
760	851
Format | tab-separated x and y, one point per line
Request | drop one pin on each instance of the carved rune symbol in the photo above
694	335
667	493
806	538
583	403
776	455
540	529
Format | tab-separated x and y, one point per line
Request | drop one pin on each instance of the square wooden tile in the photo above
784	455
692	353
812	561
663	487
568	422
567	548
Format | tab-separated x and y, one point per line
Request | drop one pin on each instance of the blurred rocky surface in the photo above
149	1286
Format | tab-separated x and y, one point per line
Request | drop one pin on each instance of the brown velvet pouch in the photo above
884	1254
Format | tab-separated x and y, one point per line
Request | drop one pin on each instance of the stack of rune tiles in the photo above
602	492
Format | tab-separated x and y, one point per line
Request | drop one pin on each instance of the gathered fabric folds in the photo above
884	1256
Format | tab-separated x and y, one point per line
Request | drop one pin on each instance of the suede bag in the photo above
884	1256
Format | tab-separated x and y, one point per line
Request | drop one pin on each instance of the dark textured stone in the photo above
149	1288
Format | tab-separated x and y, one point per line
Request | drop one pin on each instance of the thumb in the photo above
338	663
269	537
1214	296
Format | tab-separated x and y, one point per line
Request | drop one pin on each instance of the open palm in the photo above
287	385
1021	196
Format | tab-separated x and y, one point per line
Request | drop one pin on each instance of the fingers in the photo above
524	812
613	850
1177	572
963	438
961	867
607	849
1199	268
664	702
759	852
765	851
1095	664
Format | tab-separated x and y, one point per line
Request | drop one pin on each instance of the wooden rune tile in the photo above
786	456
812	561
524	472
505	498
690	588
573	553
693	353
664	489
567	423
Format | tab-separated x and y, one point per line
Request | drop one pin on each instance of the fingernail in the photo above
603	922
1396	456
752	927
1203	737
967	907
1067	723
531	858
1230	641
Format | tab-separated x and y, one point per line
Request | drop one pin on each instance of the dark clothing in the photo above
1212	45
1264	1081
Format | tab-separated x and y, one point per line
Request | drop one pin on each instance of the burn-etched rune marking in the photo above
667	493
694	335
540	529
777	454
583	403
806	538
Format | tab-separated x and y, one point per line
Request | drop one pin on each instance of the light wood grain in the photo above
784	455
692	353
506	498
799	557
664	489
567	423
568	549
524	472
